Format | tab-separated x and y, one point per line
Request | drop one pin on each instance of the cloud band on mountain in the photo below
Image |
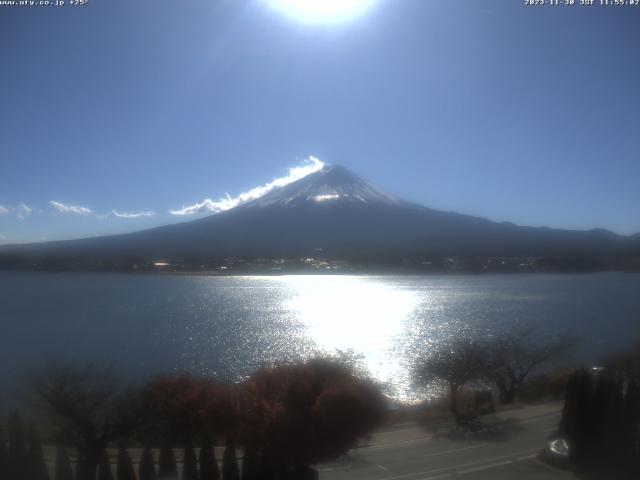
227	202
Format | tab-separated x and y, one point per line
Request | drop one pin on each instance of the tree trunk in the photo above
63	465
230	463
88	459
507	395
86	468
454	404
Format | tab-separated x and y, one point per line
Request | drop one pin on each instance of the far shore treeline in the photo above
359	228
317	263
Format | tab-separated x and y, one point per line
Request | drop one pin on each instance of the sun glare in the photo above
355	313
322	10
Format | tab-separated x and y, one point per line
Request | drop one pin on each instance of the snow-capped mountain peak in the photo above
333	183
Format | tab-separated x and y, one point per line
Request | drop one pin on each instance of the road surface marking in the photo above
539	417
382	467
527	457
417	474
456	450
373	448
437	477
499	464
549	430
472	464
484	467
333	469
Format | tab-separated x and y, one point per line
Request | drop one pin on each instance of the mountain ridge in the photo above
331	183
336	212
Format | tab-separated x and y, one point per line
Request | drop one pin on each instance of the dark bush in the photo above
600	421
167	468
63	465
36	464
104	468
124	470
230	463
3	455
147	469
189	463
208	464
17	459
250	464
308	413
625	363
181	409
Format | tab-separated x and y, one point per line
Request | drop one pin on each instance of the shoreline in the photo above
321	273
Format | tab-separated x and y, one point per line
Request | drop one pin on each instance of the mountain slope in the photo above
340	214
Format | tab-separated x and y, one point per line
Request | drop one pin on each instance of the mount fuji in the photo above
338	213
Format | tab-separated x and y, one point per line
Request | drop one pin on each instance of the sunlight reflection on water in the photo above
356	314
229	326
384	324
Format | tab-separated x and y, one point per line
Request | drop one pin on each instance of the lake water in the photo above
231	325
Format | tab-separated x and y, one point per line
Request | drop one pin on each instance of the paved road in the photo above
507	450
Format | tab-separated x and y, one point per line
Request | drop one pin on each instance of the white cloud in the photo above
227	202
132	214
23	211
77	210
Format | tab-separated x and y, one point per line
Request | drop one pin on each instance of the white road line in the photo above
446	452
426	438
548	430
472	464
417	474
382	467
484	467
373	448
333	469
539	417
526	457
438	477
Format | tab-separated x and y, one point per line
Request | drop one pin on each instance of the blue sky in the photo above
523	114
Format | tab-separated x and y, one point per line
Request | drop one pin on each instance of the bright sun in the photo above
321	10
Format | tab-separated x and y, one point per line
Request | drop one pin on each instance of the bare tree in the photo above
208	464
3	455
625	363
88	409
511	356
456	363
17	462
63	465
37	466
